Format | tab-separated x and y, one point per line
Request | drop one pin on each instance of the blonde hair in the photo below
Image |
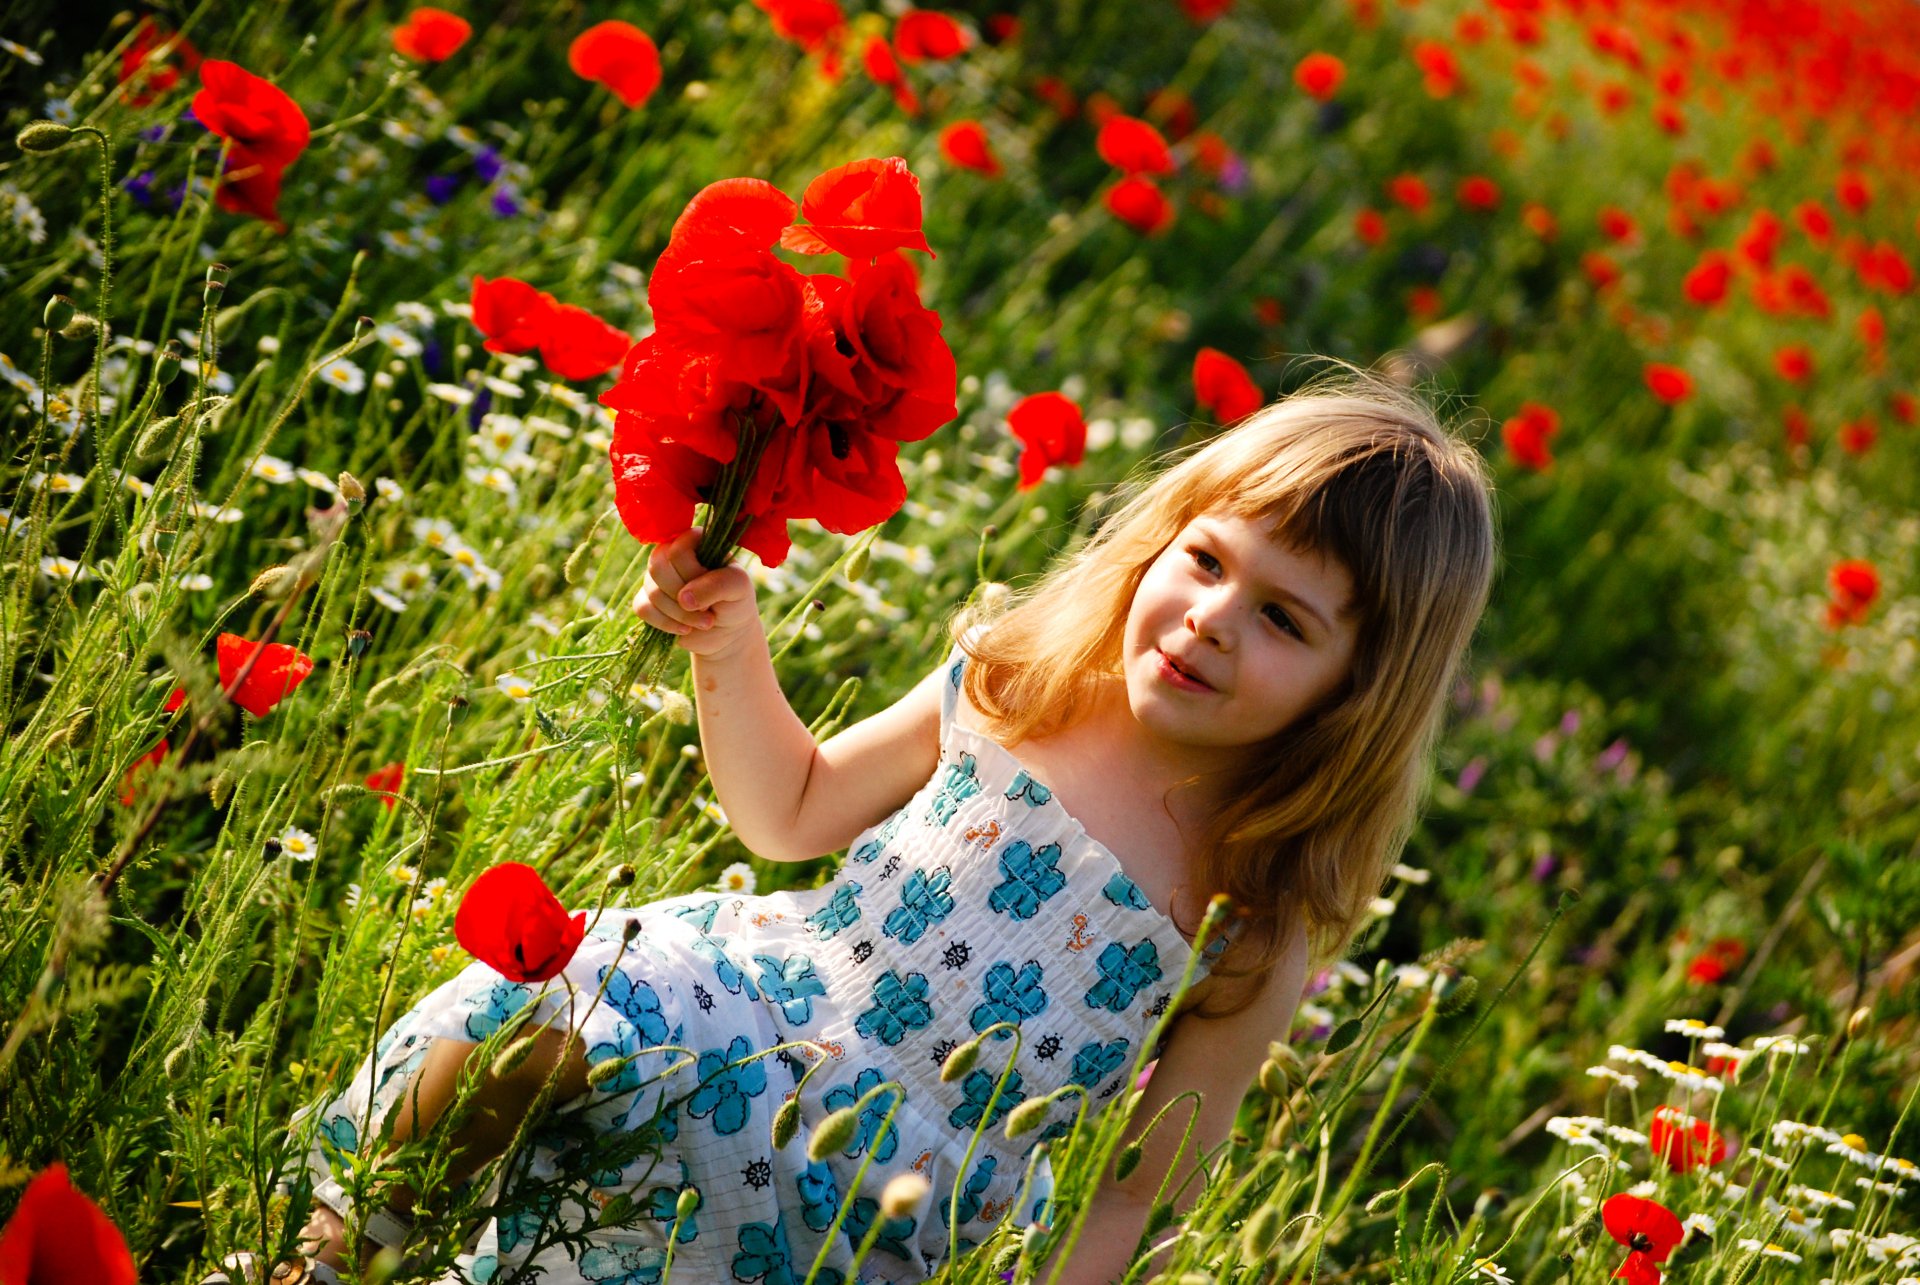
1352	467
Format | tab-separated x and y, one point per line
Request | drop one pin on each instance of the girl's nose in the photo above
1208	618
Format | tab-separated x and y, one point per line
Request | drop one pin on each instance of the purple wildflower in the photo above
139	187
1470	774
505	203
1234	176
1613	756
441	187
482	403
487	164
1543	867
156	133
1570	722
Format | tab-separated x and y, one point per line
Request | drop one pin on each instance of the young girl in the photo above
1232	688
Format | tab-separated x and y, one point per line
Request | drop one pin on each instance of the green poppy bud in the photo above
43	136
1159	1218
960	1061
166	364
1129	1161
514	1056
1026	1117
857	564
1261	1231
59	311
903	1194
833	1133
604	1072
688	1202
786	1123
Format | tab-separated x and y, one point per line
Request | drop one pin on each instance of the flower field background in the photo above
1657	933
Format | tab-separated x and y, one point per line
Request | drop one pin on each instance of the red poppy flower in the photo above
1101	107
618	55
1478	192
1617	224
925	35
1132	146
266	131
1051	432
877	57
1223	386
272	679
815	25
1799	427
1003	28
1423	302
1904	407
1527	433
1136	202
1669	383
1172	109
1855	584
510	313
1814	221
1649	1230
1319	75
965	144
57	1235
142	77
742	304
1871	327
575	344
1268	310
1857	436
1370	226
1684	1142
1471	28
860	209
1539	220
175	699
140	767
1202	12
1793	362
1721	956
1853	191
1054	92
431	35
511	921
1439	69
1410	192
1707	281
386	780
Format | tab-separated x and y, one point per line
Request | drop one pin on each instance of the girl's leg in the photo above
501	1103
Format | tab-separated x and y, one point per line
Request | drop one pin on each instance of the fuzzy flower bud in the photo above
857	564
833	1133
960	1061
43	136
59	311
1262	1230
902	1196
607	1070
166	365
514	1056
786	1123
1129	1161
676	708
688	1202
350	488
1026	1117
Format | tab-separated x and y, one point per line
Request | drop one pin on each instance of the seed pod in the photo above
1858	1022
515	1055
82	325
216	284
902	1196
1129	1161
166	363
1026	1117
629	931
960	1061
269	582
155	438
621	876
1261	1231
350	489
676	708
1159	1218
1273	1079
833	1133
688	1201
786	1123
59	311
43	136
358	641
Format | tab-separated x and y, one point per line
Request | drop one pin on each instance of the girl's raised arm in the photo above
787	797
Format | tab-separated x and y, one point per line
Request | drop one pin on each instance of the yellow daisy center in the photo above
1856	1141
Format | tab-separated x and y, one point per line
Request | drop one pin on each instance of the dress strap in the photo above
956	666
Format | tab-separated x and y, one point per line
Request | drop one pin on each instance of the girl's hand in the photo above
712	612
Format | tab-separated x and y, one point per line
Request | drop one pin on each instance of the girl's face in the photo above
1231	637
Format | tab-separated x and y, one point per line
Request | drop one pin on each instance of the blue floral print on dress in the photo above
729	1079
924	902
1124	892
899	1005
975	1187
638	1002
724	969
623	1264
1032	877
978	1089
1123	971
341	1132
625	1043
790	983
961	783
700	915
894	1232
875	1132
1096	1061
663	1206
764	1255
841	912
873	847
494	1006
1011	996
1029	791
819	1195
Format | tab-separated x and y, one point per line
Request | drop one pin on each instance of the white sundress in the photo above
978	901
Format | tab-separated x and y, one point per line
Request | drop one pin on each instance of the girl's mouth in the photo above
1178	677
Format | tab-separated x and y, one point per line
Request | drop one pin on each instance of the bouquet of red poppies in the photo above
768	394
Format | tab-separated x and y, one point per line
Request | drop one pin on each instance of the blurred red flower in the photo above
619	56
883	69
1223	386
57	1236
1205	11
510	313
1684	1142
1410	191
1650	1231
1668	116
1600	268
1814	221
926	35
1136	202
1669	383
578	345
1471	28
430	34
860	209
1871	327
266	132
1370	226
1799	427
1539	220
1003	28
144	78
1132	146
1707	281
1439	69
1051	432
817	26
964	143
1212	154
1853	192
1318	75
1101	107
175	699
510	921
1478	192
1720	957
1172	109
1424	302
1759	243
1793	362
386	780
1054	92
1904	407
1527	433
1855	584
272	679
1268	311
140	767
1857	436
1617	224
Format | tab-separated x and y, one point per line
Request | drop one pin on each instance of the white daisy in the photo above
269	344
1409	874
1853	1147
436	533
1579	1131
62	569
494	479
472	569
389	490
401	343
452	394
298	844
271	468
1790	1132
58	483
1620	1078
548	427
1779	1044
319	481
1382	906
503	387
1694	1029
1627	1137
387	598
1691	1077
344	375
1769	1249
1698	1225
224	514
196	582
416	314
710	810
737	877
1818	1200
1894	1189
516	687
138	486
1485	1269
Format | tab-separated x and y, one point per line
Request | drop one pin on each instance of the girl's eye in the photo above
1285	621
1204	558
1208	563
